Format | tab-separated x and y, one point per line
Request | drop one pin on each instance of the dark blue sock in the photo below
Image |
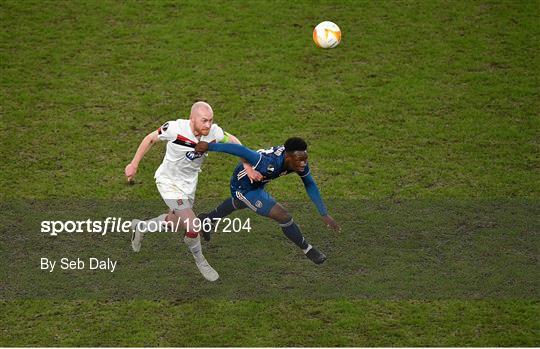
226	208
292	231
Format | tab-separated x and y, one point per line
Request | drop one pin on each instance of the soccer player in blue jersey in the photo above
271	164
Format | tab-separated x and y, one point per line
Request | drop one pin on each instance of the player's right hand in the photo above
331	223
130	172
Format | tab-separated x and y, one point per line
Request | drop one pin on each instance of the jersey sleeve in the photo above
313	192
165	132
241	151
218	134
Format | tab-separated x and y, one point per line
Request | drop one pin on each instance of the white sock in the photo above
309	247
194	246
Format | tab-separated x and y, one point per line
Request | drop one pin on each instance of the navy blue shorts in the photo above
257	199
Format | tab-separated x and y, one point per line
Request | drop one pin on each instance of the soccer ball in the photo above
327	34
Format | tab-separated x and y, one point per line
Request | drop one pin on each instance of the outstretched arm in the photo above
253	175
315	196
146	144
234	149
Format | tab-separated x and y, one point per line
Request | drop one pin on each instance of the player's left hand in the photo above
201	147
331	223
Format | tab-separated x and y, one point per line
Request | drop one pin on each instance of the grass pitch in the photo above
423	129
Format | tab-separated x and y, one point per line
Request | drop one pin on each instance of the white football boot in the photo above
137	236
206	269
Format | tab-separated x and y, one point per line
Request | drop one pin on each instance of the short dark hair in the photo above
294	144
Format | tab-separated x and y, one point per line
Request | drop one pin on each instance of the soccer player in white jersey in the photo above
176	178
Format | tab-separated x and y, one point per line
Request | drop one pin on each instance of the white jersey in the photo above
181	164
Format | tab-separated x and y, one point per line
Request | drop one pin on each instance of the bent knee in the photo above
280	214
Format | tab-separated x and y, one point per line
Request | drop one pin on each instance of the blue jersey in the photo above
271	165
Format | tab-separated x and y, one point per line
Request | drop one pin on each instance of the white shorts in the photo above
174	196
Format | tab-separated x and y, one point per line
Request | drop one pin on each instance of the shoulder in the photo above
216	133
182	124
169	126
183	128
215	128
273	151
